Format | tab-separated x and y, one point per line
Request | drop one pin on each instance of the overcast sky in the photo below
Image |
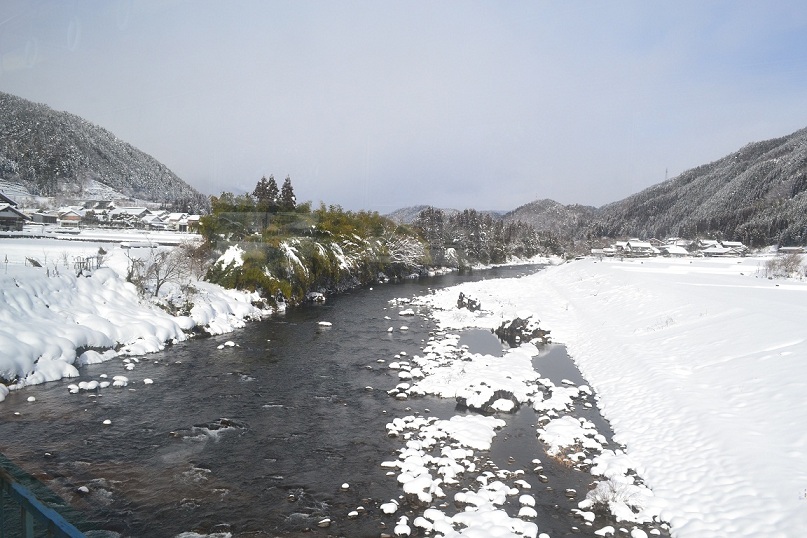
380	105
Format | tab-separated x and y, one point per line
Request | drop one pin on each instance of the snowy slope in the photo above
698	365
52	321
757	195
50	153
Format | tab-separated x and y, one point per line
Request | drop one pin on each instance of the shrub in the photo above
784	266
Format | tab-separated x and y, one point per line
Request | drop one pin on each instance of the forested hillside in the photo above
757	195
55	153
548	216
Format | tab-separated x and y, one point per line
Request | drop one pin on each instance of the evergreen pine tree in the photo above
261	191
288	202
274	194
266	194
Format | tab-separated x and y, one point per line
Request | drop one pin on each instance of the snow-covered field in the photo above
63	236
52	321
697	363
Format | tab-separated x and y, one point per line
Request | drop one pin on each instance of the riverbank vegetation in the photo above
266	242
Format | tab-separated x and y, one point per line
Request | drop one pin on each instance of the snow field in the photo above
697	365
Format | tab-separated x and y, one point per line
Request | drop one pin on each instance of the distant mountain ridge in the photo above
52	153
757	195
550	216
407	215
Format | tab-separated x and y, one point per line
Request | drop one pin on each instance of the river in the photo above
266	437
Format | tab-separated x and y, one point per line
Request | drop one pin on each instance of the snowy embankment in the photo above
697	364
50	324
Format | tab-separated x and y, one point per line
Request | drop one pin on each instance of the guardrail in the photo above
28	517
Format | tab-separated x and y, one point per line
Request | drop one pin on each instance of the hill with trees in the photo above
757	195
550	217
52	153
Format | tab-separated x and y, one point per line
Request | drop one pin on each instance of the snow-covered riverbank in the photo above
52	321
697	364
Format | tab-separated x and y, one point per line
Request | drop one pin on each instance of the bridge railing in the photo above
23	515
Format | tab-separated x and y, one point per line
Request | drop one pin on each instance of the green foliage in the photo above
295	252
335	221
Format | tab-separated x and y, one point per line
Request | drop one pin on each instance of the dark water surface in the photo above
255	440
272	435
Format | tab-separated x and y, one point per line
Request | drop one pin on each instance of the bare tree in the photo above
403	250
135	271
199	257
165	266
784	266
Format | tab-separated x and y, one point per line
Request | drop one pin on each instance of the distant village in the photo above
122	215
676	247
95	214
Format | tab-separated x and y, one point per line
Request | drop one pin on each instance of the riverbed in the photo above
276	429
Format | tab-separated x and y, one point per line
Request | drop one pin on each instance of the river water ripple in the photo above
256	439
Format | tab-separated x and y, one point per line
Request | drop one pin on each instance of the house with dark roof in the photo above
11	218
6	200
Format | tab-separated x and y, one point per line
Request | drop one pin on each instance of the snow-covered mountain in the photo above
757	195
52	153
550	216
407	215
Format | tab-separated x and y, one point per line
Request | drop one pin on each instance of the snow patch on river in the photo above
697	364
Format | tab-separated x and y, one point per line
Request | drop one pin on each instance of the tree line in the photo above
291	249
471	237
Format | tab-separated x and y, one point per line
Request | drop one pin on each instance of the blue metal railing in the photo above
18	518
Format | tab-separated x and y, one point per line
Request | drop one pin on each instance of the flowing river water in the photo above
259	438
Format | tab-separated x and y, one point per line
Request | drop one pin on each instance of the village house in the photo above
781	251
673	247
634	248
130	217
193	223
679	242
70	217
741	249
98	210
177	221
704	244
714	248
673	251
6	200
153	222
45	217
11	218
